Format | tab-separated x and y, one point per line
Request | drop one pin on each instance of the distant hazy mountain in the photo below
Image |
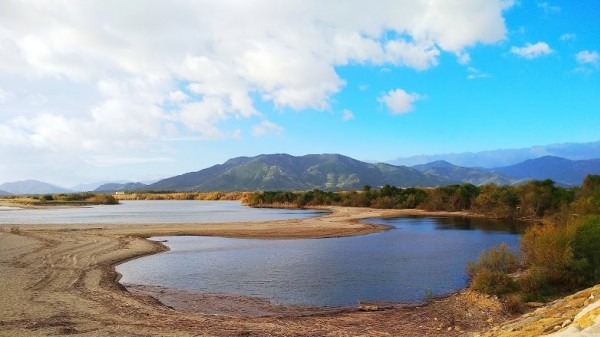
32	187
92	186
115	187
286	172
500	158
560	170
458	174
2	192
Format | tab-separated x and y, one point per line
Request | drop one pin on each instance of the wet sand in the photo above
60	279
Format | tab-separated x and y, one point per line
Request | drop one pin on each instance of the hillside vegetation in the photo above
285	172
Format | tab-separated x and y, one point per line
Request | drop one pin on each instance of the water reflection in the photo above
462	223
419	256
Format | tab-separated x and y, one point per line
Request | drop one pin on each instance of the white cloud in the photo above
568	37
265	128
177	96
587	57
5	96
419	56
111	77
463	58
588	61
548	8
347	115
399	101
474	73
531	51
110	160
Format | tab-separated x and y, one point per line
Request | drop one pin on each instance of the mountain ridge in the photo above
286	172
561	170
31	186
336	172
459	174
507	157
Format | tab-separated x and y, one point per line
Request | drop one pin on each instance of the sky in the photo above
141	90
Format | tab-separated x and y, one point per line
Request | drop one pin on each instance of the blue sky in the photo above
101	91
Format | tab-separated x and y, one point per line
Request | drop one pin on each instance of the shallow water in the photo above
419	257
151	211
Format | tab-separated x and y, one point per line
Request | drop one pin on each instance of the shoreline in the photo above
60	279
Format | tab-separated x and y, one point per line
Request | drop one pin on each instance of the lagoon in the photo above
419	257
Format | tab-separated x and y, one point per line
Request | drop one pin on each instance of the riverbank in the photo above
60	279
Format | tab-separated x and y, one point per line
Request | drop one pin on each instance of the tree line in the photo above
531	200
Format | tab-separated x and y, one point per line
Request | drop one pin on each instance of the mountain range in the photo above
561	170
286	172
507	157
337	172
459	174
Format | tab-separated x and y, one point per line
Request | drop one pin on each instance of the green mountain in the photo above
459	174
286	172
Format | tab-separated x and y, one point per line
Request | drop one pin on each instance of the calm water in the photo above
403	264
150	211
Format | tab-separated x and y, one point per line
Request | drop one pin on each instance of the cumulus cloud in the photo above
531	51
587	57
266	128
114	77
399	101
588	61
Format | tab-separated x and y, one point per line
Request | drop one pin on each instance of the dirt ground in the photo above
60	280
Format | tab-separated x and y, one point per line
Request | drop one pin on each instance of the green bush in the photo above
535	285
586	250
490	274
498	258
547	248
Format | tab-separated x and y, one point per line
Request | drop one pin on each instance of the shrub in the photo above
514	304
46	197
103	199
547	248
586	250
495	282
498	258
490	274
535	285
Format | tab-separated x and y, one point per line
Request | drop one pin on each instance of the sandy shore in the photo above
60	279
